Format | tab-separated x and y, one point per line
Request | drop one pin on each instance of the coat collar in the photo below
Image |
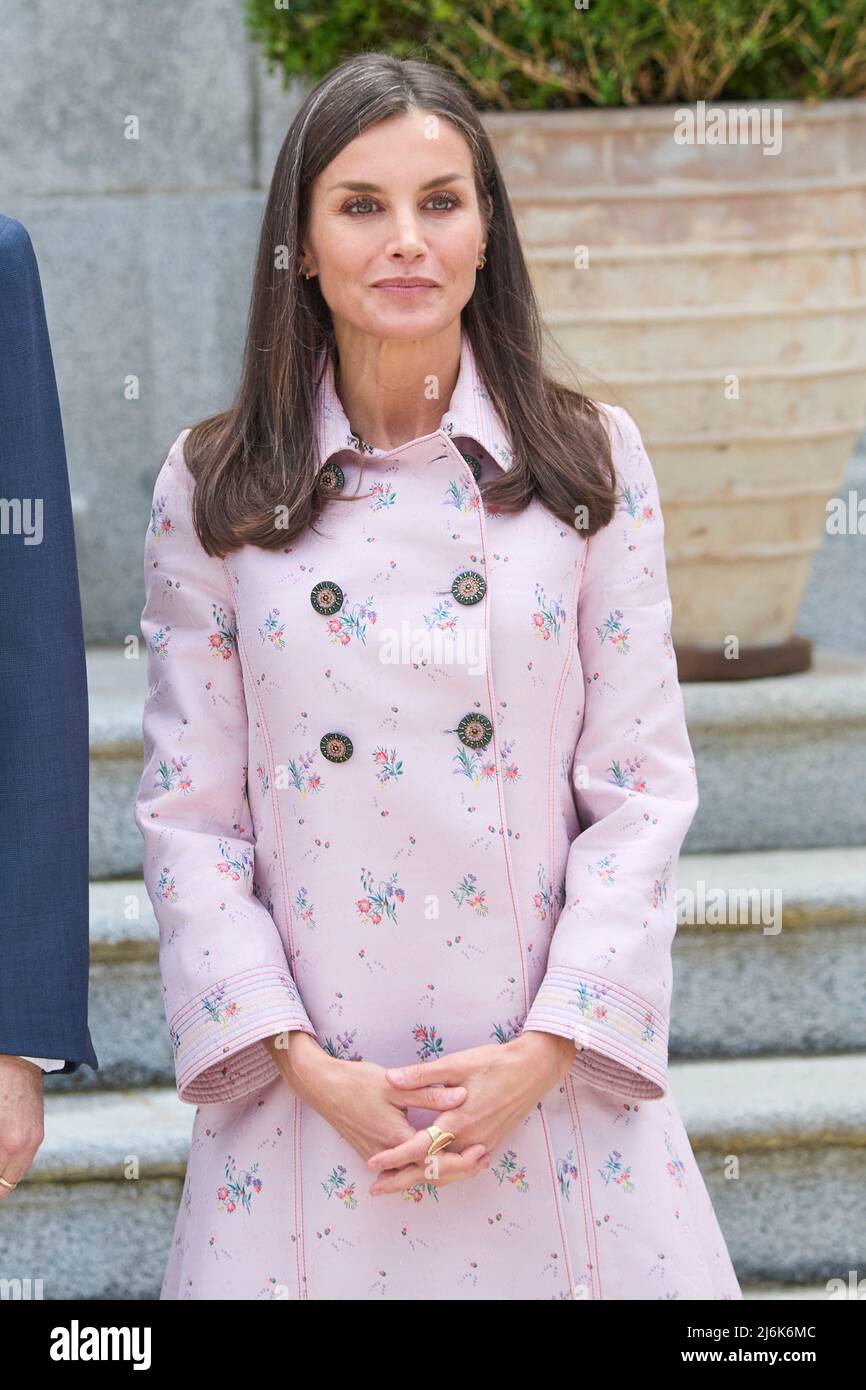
470	415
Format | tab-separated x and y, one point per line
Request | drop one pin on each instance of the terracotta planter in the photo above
709	263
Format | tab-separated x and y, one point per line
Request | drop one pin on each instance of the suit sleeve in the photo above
44	797
608	975
226	977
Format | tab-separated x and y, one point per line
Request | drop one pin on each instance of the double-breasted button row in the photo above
474	730
327	596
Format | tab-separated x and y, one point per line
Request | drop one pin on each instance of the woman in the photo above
416	764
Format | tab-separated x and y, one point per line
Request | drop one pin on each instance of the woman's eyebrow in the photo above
374	188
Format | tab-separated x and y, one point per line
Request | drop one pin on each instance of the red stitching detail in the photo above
479	510
585	1190
572	648
279	833
556	1203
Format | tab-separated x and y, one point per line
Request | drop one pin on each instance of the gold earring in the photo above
482	263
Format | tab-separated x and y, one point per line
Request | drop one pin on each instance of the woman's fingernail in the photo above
396	1073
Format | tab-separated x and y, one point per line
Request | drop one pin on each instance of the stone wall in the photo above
145	246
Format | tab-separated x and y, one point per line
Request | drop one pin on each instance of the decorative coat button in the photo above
332	478
327	597
337	748
475	730
469	587
474	464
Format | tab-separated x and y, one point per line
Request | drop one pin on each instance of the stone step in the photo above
786	975
95	1216
116	689
770	953
781	762
781	1142
816	1293
126	1014
833	612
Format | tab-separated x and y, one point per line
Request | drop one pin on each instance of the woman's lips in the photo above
407	291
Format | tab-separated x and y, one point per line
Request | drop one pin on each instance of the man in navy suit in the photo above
44	942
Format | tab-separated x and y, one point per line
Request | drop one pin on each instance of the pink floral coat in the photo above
414	785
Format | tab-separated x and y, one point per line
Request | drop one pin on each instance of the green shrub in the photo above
549	55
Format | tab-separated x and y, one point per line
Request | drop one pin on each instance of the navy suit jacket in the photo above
44	747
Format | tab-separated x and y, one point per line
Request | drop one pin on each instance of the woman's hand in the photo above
503	1082
357	1101
22	1120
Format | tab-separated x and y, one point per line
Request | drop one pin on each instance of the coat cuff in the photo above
217	1036
621	1041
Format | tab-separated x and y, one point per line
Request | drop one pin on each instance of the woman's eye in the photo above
353	206
361	206
452	201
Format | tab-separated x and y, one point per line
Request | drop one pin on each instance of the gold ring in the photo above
439	1139
10	1185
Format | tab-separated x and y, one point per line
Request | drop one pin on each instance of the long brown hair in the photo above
260	455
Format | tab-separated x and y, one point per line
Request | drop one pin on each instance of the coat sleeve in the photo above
226	978
608	974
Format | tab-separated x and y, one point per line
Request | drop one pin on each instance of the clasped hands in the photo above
479	1095
486	1091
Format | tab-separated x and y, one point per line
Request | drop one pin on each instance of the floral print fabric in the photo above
413	785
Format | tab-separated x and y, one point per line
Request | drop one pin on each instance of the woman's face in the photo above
399	201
